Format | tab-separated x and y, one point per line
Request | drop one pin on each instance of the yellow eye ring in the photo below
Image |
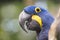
37	9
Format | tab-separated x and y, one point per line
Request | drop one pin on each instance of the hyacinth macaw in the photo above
36	19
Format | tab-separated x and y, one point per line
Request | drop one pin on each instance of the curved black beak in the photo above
22	19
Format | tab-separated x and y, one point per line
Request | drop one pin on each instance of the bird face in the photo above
27	14
34	13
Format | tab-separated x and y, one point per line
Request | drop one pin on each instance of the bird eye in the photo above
37	9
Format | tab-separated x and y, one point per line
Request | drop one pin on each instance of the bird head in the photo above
31	13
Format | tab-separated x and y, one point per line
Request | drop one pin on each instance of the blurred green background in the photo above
9	13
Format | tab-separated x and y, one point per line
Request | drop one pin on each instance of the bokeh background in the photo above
9	13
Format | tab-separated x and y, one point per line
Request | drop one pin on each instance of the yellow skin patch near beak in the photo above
38	19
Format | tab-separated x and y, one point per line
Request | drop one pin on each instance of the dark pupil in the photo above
37	9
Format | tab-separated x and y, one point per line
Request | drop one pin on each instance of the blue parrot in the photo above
36	19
